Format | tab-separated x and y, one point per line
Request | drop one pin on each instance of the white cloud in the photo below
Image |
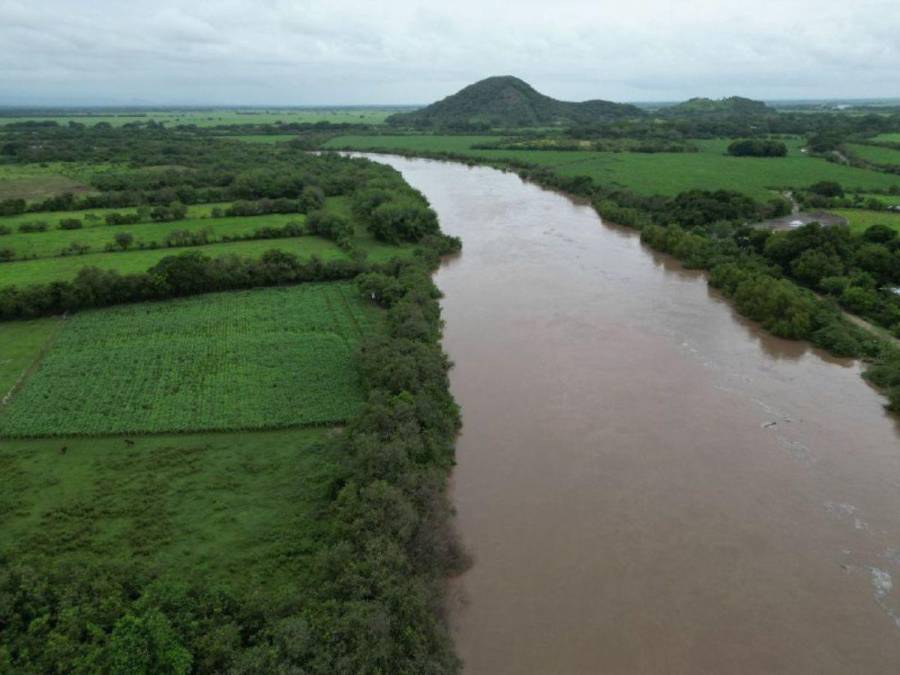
347	51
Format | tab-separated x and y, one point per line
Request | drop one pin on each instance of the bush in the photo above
70	224
827	188
330	225
757	148
33	227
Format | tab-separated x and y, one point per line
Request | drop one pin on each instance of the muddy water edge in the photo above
648	483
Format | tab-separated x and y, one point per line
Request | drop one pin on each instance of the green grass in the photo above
425	143
258	359
213	117
94	217
859	219
875	154
242	510
660	173
887	138
38	181
45	270
51	243
21	343
887	200
263	138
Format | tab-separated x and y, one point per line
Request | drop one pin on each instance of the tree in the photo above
146	644
124	240
827	188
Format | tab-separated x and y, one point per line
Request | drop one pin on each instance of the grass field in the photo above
51	243
875	154
267	139
45	270
888	138
257	359
887	200
660	173
94	217
216	117
38	181
859	219
240	510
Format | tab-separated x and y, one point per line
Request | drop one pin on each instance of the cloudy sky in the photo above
309	52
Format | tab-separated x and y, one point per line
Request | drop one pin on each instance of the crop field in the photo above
216	117
860	219
659	173
241	510
270	358
875	153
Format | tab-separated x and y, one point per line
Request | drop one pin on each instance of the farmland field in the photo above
876	154
860	219
659	173
249	360
216	117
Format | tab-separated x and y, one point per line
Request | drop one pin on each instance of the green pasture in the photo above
52	242
658	173
860	219
875	153
217	117
240	511
95	217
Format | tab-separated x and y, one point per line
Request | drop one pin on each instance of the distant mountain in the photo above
509	102
733	105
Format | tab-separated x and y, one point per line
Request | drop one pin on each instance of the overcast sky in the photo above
309	52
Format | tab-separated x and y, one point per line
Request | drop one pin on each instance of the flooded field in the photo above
648	483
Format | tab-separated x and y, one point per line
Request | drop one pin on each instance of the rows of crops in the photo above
269	358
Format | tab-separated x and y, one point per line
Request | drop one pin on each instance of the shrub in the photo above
757	148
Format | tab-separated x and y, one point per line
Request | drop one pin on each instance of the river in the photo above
647	482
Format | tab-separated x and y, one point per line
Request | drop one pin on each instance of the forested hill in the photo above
733	105
509	102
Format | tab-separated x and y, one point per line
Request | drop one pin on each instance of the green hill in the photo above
509	102
733	105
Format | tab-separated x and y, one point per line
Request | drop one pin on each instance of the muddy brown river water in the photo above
648	483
